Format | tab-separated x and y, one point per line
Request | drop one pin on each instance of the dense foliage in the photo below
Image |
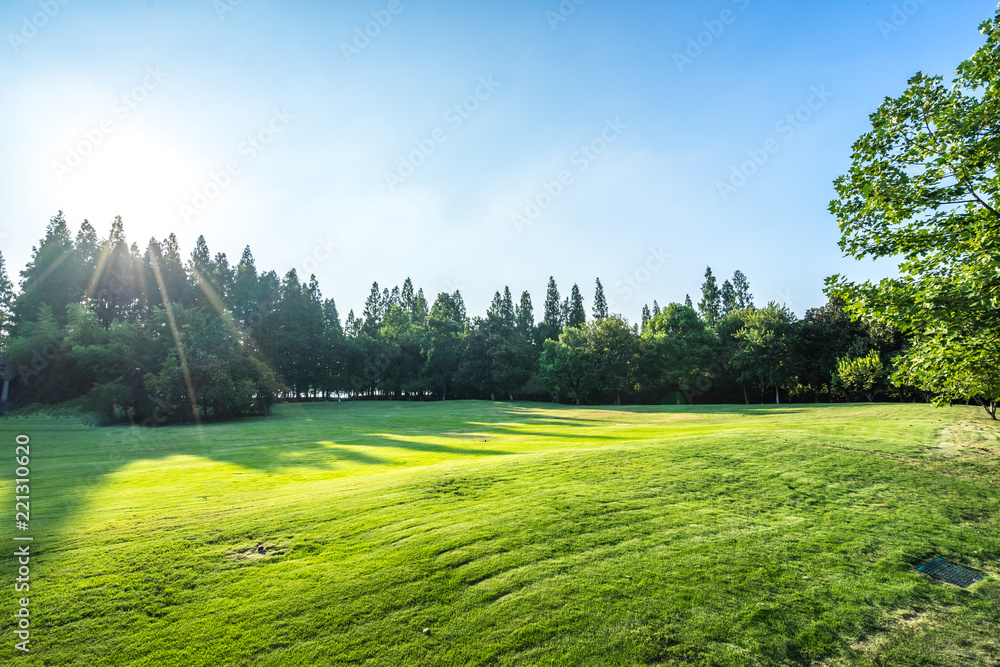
923	187
102	326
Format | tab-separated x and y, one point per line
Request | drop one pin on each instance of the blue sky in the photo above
589	140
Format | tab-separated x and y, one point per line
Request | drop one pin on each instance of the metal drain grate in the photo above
950	573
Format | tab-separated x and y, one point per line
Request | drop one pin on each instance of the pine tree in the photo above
656	308
459	305
53	277
687	301
508	307
352	325
600	303
564	309
6	305
373	310
710	305
728	297
406	296
577	313
331	318
420	312
646	316
741	289
495	311
524	314
551	325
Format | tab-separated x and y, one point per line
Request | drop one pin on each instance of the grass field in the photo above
516	534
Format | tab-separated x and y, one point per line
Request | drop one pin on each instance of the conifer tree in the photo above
577	313
600	303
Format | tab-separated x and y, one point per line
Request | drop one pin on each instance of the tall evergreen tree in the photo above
600	303
445	328
524	314
419	311
551	324
508	308
656	308
352	325
728	297
646	317
577	313
564	311
741	290
6	305
710	305
373	310
53	277
459	305
407	298
687	301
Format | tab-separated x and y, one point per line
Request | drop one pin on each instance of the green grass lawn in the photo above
517	534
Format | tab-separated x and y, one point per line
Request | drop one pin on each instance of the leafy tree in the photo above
710	305
730	344
861	374
923	186
614	348
677	350
565	365
764	356
600	303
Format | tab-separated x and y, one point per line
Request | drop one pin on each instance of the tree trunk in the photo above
777	396
578	400
511	397
745	397
618	397
444	392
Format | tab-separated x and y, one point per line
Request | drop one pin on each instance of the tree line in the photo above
102	326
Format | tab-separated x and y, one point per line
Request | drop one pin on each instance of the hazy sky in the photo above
468	145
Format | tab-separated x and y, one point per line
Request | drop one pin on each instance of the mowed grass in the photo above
516	534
